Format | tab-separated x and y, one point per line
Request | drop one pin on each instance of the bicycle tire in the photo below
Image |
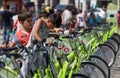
78	76
112	46
106	53
9	71
2	65
117	36
92	70
101	63
114	42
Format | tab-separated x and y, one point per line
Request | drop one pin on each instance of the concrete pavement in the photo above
115	69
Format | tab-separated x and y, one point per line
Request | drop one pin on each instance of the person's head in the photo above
6	7
56	11
43	14
25	18
98	15
67	7
54	20
80	11
119	12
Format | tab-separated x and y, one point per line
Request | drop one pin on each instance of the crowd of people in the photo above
54	21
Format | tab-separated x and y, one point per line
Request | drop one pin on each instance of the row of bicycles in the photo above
88	53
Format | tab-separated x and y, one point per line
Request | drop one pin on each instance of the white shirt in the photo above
67	16
80	20
19	26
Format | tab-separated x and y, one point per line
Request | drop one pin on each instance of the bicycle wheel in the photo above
2	65
78	76
106	53
111	45
101	63
92	70
8	71
117	36
114	42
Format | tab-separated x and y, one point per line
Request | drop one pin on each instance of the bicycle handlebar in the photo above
10	48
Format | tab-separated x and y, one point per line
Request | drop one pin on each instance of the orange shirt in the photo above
22	37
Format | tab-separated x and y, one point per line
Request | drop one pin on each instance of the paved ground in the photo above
115	69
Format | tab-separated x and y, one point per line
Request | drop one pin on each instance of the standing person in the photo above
6	23
66	18
118	21
98	20
80	20
91	20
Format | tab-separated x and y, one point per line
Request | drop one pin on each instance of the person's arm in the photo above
12	42
77	21
37	29
62	16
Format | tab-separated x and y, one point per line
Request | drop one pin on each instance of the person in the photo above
46	25
41	25
98	20
80	20
66	18
6	23
22	36
118	21
56	11
91	20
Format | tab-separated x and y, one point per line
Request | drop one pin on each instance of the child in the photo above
22	36
44	26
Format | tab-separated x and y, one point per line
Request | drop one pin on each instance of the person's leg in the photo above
8	30
4	34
